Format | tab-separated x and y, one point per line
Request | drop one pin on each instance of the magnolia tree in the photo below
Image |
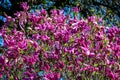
38	46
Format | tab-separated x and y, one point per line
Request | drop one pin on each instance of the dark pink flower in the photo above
43	11
75	9
2	60
1	75
53	76
30	60
25	6
45	37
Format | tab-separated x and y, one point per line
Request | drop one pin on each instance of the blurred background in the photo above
109	10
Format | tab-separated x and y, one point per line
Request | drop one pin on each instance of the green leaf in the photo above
95	65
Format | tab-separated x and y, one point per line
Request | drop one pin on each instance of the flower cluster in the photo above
56	47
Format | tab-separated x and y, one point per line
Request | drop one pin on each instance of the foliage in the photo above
109	10
56	47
